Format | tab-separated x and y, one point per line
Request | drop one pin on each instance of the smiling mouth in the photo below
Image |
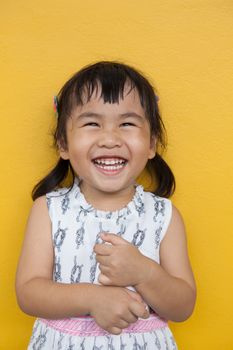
112	165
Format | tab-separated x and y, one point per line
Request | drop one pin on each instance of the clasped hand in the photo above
121	263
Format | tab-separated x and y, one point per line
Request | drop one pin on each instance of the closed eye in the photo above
128	124
91	124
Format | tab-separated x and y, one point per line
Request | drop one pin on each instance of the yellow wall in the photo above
186	48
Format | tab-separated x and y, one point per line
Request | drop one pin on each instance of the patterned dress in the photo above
76	228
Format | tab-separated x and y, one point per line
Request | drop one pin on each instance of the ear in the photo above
63	150
152	148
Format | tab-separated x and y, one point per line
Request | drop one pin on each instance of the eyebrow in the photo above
123	115
132	114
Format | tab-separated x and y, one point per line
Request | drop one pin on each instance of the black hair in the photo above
111	78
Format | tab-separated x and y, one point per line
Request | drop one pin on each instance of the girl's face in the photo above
108	145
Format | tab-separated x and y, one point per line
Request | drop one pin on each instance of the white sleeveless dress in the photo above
76	227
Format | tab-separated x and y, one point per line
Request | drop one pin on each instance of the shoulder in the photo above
177	221
176	231
39	204
39	210
176	215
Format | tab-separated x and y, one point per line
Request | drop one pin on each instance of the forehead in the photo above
129	100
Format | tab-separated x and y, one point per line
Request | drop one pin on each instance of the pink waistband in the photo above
86	326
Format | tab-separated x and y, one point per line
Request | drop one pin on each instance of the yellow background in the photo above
186	49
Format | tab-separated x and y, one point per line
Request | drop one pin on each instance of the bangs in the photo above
111	81
111	91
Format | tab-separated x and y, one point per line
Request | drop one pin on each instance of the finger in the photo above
115	330
146	312
104	270
134	295
104	279
122	324
113	239
103	249
130	318
139	309
103	259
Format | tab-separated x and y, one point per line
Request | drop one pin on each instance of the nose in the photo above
110	139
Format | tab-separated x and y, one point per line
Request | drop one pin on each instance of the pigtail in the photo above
164	177
56	176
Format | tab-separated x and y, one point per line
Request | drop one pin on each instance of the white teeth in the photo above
110	162
110	167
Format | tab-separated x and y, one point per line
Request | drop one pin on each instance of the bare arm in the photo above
40	296
37	294
169	289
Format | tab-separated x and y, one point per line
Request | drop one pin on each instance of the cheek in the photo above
80	151
77	143
144	149
140	142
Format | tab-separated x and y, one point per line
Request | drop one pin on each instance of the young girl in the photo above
104	263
